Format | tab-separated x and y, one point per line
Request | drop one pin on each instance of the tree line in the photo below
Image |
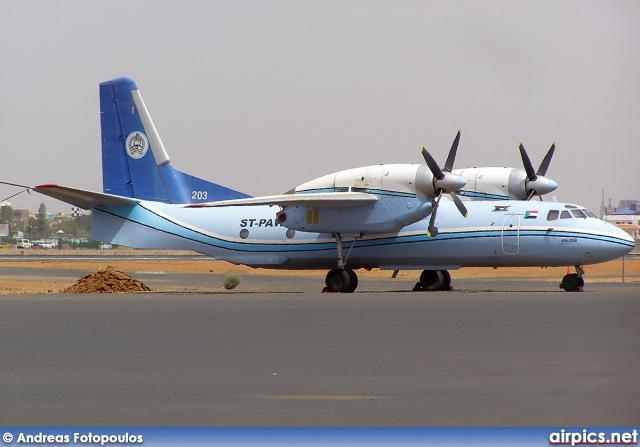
39	227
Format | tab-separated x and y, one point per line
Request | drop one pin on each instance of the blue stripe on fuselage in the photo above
155	220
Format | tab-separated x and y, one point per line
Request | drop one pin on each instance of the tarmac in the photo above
277	352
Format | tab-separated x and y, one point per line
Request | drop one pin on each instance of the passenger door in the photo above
511	235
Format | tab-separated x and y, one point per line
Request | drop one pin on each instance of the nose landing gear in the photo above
573	282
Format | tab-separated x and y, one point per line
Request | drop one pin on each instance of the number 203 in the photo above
199	195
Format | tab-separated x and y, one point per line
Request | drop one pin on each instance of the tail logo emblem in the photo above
137	145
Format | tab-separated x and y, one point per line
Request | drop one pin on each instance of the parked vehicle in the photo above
23	243
105	246
43	244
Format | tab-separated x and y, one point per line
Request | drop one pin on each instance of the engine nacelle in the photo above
495	183
396	179
384	216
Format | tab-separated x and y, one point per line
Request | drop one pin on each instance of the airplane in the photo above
380	216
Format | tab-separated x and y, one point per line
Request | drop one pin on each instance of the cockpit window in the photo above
579	214
589	213
565	215
553	215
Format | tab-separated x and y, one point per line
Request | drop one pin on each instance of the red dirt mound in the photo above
108	280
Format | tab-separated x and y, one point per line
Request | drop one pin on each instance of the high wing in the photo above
82	198
332	199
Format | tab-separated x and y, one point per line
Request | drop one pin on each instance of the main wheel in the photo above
571	282
338	280
447	280
354	280
432	280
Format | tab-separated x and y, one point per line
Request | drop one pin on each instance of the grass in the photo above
232	280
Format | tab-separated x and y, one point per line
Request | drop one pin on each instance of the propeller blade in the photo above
448	165
432	231
433	166
531	194
444	180
528	167
459	204
542	170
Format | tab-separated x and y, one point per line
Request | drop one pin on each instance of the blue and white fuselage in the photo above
495	234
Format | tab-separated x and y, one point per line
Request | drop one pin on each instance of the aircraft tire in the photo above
354	280
432	280
447	280
338	280
571	282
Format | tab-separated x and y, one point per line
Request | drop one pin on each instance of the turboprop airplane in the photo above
381	216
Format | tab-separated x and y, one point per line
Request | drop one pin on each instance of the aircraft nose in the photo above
624	235
621	243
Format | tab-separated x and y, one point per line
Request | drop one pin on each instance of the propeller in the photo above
536	183
444	181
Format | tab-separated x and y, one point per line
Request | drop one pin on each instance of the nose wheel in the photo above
573	282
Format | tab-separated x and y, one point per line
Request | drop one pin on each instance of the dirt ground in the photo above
610	271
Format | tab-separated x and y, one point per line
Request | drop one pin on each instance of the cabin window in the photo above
579	214
553	215
565	215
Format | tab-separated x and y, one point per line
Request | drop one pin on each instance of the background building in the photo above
625	216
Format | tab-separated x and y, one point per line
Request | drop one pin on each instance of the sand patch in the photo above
108	280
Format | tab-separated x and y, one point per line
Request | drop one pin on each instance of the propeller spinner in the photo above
444	181
536	183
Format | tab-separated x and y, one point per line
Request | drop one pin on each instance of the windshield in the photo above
579	214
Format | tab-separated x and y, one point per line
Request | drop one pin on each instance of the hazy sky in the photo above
261	96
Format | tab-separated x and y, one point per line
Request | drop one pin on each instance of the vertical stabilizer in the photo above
134	161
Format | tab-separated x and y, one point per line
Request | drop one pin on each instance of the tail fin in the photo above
134	161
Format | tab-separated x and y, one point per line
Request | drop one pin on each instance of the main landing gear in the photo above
573	282
433	280
341	279
345	280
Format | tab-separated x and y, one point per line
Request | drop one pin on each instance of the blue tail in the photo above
134	161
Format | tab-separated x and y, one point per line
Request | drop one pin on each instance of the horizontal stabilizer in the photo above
334	199
82	198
